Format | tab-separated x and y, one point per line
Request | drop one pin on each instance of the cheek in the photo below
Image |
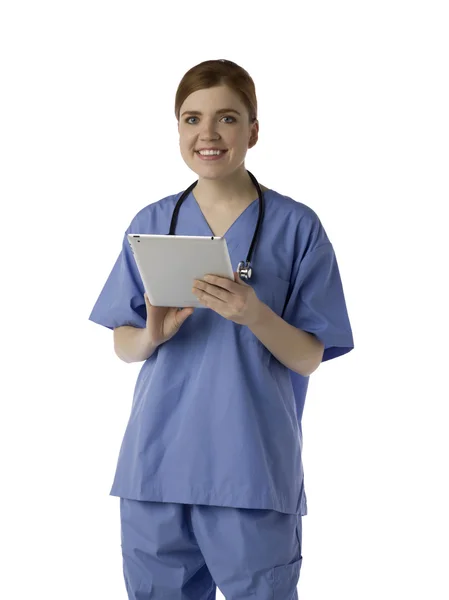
184	135
186	146
238	142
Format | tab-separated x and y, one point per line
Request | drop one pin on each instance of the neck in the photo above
235	190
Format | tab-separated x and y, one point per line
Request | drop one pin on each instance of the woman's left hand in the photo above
233	300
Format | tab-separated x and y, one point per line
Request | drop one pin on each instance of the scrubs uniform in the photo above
210	461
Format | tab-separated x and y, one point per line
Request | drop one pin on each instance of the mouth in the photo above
210	156
214	149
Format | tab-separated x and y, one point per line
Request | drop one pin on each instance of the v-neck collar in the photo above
234	226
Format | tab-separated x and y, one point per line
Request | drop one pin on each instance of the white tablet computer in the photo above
169	264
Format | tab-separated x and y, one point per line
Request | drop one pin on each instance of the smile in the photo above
211	156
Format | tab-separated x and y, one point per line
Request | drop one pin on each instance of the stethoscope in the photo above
244	267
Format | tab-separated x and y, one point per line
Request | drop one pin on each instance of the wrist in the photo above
260	314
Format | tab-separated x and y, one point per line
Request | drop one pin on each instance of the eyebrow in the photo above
218	112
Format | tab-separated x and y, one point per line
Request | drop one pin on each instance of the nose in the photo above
208	129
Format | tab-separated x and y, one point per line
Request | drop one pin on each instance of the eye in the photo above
188	119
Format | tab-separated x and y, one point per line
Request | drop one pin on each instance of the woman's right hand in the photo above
164	321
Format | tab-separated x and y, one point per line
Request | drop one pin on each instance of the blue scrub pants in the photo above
175	551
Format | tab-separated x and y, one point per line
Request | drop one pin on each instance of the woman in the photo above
210	474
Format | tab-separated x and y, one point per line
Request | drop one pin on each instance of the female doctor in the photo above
210	474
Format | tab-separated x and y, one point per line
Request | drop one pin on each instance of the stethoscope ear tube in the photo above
244	268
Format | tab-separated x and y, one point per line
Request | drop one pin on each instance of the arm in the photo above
298	350
131	344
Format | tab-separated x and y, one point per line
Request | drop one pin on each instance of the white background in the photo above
353	111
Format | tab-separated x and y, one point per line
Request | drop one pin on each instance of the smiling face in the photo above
218	126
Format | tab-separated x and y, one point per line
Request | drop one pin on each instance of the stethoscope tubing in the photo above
244	267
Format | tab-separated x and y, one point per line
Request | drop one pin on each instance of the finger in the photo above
220	282
204	290
213	298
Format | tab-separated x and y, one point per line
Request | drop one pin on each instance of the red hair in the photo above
211	73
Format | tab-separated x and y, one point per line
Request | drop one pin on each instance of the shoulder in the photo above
148	217
294	208
300	219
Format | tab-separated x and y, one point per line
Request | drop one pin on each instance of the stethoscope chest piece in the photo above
244	270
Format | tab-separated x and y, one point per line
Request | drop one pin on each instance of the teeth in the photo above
210	152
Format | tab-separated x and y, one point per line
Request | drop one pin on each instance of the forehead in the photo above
211	99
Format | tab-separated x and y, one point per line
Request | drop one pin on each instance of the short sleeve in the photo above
317	304
121	301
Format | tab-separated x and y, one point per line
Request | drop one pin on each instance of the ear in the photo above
254	134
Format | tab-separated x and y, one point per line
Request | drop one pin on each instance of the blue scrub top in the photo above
215	417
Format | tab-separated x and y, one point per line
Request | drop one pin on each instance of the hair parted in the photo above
211	73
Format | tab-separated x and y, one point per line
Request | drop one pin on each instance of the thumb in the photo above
147	300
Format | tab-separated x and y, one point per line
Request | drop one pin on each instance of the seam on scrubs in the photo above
298	522
285	580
